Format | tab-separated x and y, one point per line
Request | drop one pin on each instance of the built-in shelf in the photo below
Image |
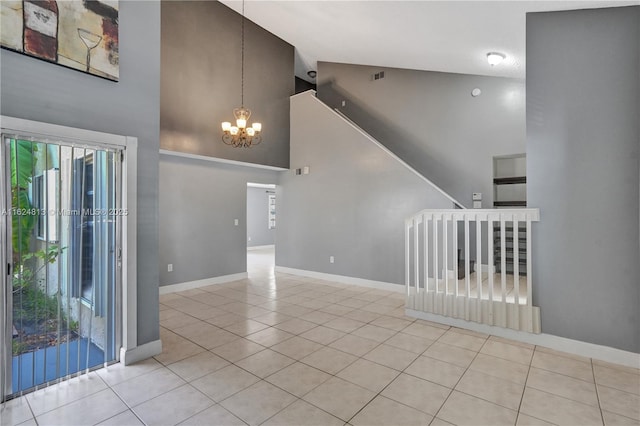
510	180
513	203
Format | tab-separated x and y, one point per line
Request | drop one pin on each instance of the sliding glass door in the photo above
62	228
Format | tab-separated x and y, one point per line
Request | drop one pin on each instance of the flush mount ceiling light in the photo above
240	135
494	58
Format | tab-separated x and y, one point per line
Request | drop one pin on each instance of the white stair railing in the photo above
474	265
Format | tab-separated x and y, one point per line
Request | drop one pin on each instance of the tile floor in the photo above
278	349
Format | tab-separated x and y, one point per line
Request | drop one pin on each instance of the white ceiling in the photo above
452	36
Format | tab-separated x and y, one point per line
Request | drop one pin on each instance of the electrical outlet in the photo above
235	222
249	239
170	267
305	170
332	259
344	103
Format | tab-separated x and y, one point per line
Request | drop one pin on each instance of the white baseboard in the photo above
139	353
563	344
380	285
261	247
166	289
484	268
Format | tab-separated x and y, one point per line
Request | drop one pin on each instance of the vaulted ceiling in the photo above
451	36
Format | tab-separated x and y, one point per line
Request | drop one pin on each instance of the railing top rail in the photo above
531	214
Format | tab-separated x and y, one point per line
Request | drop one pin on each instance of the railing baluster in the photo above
416	248
445	251
425	227
467	267
529	264
479	260
503	257
516	260
435	261
407	267
490	262
454	224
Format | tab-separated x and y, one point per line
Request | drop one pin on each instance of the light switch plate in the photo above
477	196
305	170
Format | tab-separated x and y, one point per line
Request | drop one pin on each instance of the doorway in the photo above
62	219
261	229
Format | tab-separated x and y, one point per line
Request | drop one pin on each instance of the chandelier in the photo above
240	135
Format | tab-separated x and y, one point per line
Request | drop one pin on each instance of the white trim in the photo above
305	93
141	352
190	285
312	94
261	247
576	347
484	268
380	285
261	185
220	160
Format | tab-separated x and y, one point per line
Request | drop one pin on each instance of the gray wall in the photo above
258	218
201	82
583	137
41	91
353	203
198	204
430	120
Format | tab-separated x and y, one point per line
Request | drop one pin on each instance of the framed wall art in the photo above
78	34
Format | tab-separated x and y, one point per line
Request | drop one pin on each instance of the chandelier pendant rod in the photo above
242	61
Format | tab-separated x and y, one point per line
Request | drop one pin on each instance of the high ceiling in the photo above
452	36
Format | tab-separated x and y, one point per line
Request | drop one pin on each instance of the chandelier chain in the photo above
242	60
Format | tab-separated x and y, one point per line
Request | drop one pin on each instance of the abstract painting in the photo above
79	34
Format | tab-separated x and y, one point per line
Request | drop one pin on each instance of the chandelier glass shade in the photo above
239	135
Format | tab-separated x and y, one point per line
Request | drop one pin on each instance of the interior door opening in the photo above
261	229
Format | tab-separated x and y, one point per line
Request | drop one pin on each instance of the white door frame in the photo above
90	138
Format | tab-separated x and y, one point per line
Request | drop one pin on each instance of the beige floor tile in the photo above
377	308
559	364
237	350
462	409
435	371
619	402
117	373
301	413
417	393
621	379
339	398
52	397
362	316
433	324
391	323
425	331
265	363
558	410
197	366
354	345
224	382
391	356
322	335
353	302
613	419
258	402
502	392
511	342
372	332
409	343
368	374
173	407
507	351
296	347
561	385
337	309
214	415
246	327
470	332
632	370
272	318
143	388
383	411
525	420
269	336
440	422
15	411
452	354
319	317
298	378
294	310
562	354
93	409
207	313
178	320
462	340
206	335
176	348
226	319
501	368
344	324
329	360
126	418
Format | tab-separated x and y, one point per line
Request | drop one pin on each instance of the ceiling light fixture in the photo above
240	135
494	58
312	74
